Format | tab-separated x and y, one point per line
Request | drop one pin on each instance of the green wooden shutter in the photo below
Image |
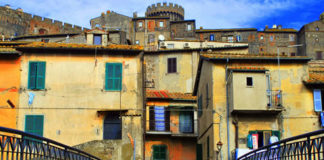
199	151
41	68
159	152
34	124
113	76
32	75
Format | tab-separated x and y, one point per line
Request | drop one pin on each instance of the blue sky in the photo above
211	14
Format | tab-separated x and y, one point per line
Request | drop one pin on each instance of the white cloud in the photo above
208	13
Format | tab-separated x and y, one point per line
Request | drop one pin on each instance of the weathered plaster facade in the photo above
75	103
296	106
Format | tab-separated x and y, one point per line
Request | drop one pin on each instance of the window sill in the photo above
104	90
172	73
28	89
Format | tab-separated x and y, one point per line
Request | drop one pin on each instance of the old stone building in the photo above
311	36
15	23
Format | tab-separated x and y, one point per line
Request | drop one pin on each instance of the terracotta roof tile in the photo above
74	45
4	50
316	75
257	68
169	95
280	30
218	55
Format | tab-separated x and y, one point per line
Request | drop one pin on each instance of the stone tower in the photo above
174	11
322	17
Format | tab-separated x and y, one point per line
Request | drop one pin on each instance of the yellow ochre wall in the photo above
75	92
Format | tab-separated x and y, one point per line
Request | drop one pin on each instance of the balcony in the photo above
173	128
270	103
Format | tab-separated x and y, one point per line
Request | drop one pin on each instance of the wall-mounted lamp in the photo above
219	146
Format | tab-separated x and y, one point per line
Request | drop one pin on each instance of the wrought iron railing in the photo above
309	146
274	98
174	127
18	145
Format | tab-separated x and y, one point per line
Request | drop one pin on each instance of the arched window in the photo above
112	126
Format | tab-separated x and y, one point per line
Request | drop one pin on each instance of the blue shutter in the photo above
34	124
40	81
32	75
159	118
113	76
317	100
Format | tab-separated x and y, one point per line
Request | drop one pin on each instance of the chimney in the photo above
7	6
19	10
279	26
274	26
135	15
201	27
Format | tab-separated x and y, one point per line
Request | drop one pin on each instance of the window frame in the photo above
172	65
94	39
163	153
249	81
38	76
183	116
113	78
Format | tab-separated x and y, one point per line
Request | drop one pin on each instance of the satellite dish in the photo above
161	37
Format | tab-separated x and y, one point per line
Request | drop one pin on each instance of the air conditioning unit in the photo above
162	45
186	45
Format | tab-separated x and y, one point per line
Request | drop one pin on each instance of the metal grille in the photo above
18	145
308	146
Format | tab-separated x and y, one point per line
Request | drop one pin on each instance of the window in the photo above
230	39
271	38
159	152
170	45
97	39
200	106
318	55
34	124
112	126
159	118
140	24
261	137
113	76
211	37
318	100
291	37
249	81
238	38
188	27
161	24
36	75
261	37
172	65
186	120
292	54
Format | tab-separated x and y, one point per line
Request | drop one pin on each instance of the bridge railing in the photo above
18	145
309	146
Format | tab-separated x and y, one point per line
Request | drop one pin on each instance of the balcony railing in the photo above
15	144
309	146
274	98
171	127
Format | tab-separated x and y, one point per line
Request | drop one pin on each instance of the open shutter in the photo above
167	119
109	74
317	100
32	75
41	68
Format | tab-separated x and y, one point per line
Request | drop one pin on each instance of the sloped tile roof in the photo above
255	68
162	94
217	55
4	50
74	45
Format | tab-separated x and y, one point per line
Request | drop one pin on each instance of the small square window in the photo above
249	81
172	65
140	24
188	27
97	39
161	24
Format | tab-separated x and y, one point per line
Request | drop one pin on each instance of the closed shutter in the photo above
41	68
317	100
113	76
159	152
32	75
186	117
152	118
199	151
34	124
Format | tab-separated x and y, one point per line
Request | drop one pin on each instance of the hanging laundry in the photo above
31	98
159	118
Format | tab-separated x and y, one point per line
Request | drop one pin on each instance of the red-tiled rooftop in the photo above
316	75
162	94
74	45
217	55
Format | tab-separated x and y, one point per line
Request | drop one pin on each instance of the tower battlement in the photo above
174	11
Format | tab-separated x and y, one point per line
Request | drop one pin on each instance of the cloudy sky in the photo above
210	14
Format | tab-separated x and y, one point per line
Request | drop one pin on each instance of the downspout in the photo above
144	101
227	113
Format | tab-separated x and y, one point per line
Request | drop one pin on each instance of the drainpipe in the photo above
227	114
144	101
